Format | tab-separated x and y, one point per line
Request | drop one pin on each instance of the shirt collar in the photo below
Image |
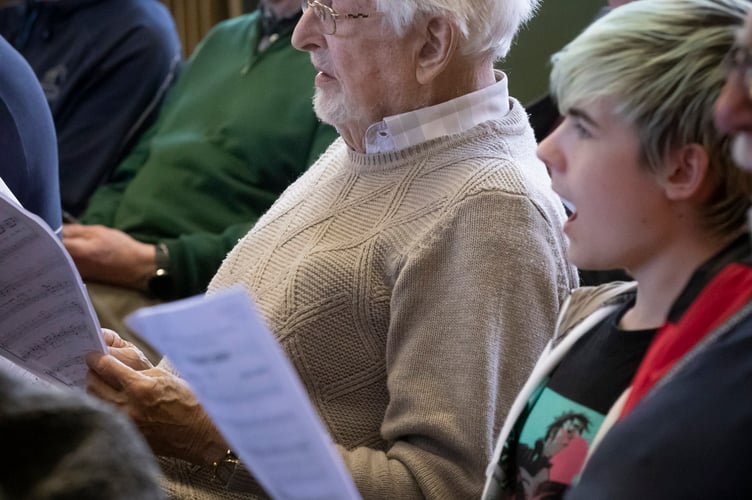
447	118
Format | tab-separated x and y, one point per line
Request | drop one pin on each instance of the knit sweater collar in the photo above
514	123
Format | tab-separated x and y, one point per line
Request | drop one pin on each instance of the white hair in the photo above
487	26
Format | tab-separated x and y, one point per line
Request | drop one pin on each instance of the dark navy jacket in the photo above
28	153
104	66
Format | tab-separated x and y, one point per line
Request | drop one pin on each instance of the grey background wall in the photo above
557	22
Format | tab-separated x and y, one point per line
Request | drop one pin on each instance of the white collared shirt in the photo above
447	118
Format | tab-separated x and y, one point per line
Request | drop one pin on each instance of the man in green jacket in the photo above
234	131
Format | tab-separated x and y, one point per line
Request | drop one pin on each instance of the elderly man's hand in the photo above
109	256
159	403
126	352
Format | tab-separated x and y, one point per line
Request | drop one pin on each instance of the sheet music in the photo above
223	349
47	324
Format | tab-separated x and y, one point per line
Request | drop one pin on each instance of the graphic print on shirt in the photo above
552	446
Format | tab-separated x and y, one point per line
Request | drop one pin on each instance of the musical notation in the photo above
47	323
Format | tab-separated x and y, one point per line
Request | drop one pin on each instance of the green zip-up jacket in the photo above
234	131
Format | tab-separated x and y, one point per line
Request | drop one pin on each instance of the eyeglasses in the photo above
740	58
328	16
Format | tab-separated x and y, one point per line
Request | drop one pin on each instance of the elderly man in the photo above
684	432
412	274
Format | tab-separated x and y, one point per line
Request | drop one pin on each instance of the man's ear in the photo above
686	174
439	46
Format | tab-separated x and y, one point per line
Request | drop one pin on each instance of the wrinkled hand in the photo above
109	256
159	403
126	352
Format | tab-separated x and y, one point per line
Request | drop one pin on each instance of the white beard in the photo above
331	109
741	150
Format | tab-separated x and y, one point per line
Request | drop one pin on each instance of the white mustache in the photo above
319	65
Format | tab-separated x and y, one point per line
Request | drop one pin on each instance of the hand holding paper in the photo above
161	404
222	347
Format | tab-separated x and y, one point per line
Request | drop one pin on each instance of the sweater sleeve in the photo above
472	308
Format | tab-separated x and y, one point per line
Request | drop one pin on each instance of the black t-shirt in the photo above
546	450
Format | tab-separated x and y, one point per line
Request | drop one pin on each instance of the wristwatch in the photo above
225	468
160	281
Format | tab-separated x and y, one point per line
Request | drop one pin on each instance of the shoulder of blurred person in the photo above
27	139
59	443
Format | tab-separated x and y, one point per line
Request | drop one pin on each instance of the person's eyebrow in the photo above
582	115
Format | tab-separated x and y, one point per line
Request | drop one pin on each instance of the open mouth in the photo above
571	209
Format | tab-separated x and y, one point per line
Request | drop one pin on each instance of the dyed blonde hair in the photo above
661	62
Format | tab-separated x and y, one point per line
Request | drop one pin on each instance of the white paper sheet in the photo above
224	350
47	324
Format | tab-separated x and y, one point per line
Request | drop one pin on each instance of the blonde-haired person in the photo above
684	431
655	191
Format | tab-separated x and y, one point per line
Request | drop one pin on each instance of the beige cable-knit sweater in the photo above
413	292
